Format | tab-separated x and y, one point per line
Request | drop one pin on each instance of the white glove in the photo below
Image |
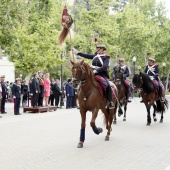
14	97
74	50
95	71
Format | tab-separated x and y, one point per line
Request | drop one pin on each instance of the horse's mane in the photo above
90	72
147	84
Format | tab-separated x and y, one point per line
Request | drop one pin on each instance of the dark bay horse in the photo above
122	92
90	99
143	82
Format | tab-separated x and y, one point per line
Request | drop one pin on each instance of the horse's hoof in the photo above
124	119
119	114
114	122
107	138
100	130
80	145
161	121
155	119
148	124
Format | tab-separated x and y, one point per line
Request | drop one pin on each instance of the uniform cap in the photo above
151	58
101	46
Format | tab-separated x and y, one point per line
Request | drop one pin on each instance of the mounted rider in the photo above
100	64
153	71
126	73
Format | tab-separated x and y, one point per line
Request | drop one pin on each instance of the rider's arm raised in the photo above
88	56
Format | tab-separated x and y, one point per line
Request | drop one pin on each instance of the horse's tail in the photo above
159	107
63	35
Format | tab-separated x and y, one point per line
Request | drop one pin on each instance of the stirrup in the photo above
111	105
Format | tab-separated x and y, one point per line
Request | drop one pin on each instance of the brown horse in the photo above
122	92
143	82
90	99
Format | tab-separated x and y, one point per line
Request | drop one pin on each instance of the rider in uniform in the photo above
126	73
100	64
153	71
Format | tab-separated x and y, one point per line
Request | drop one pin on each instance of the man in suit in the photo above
41	86
57	92
35	90
4	93
51	98
16	92
69	94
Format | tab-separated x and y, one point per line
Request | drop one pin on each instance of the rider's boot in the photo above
129	94
161	94
109	95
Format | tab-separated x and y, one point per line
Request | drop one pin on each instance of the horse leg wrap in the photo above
82	134
96	130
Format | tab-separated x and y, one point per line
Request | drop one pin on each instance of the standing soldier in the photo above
16	92
4	93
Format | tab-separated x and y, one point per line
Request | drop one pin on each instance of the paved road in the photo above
48	141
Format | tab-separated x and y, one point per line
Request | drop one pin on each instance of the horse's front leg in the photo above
162	112
115	120
125	108
154	113
83	125
120	112
92	123
148	106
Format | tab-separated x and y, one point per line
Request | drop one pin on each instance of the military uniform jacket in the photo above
101	62
4	89
152	71
16	91
126	72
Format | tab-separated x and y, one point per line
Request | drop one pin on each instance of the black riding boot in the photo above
161	94
128	94
109	95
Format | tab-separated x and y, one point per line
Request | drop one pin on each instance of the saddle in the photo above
102	85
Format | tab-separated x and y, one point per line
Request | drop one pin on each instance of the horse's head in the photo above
118	75
137	81
81	70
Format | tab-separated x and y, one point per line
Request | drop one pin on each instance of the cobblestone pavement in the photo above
48	141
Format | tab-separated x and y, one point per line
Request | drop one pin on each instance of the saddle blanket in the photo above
103	84
157	85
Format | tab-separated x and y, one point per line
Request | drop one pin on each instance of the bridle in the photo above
81	79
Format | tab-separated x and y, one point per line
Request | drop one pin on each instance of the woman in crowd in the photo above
46	88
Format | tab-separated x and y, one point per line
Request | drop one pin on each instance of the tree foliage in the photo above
139	28
29	32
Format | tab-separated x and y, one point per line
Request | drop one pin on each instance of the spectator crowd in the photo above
40	91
